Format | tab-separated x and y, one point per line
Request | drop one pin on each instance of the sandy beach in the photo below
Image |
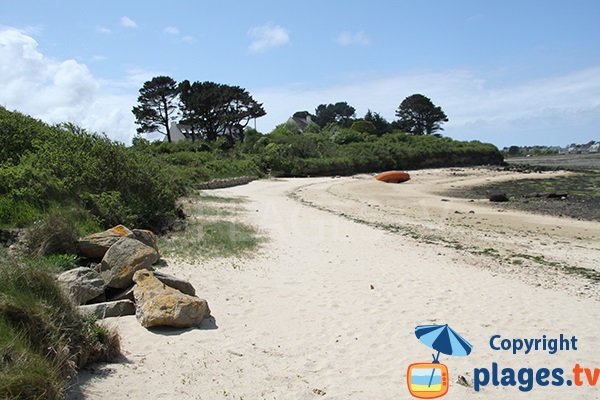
327	308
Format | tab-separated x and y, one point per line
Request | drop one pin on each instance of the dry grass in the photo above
43	338
212	229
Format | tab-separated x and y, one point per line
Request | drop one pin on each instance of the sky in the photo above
505	72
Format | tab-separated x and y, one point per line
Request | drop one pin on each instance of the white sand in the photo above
301	315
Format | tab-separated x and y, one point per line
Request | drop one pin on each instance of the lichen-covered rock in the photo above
160	305
147	237
83	284
96	245
109	309
123	259
176	283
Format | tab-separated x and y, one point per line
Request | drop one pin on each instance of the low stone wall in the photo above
225	183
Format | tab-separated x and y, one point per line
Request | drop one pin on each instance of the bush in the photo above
364	127
346	136
57	164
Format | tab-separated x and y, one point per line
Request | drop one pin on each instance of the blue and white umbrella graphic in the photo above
443	339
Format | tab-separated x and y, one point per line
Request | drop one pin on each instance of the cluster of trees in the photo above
214	110
416	114
210	109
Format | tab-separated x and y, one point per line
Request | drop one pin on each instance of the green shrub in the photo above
17	213
109	208
363	126
347	136
58	164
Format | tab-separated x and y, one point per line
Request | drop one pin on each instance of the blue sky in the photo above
506	72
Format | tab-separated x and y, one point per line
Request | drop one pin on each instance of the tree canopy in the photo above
214	109
419	116
340	113
158	104
380	123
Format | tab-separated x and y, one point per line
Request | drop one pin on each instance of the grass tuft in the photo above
210	230
43	338
206	239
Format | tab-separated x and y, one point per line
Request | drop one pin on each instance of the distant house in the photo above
301	121
180	132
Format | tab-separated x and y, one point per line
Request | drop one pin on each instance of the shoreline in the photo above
328	306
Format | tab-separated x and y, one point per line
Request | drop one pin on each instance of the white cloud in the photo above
267	36
128	22
555	110
103	29
353	38
60	90
171	30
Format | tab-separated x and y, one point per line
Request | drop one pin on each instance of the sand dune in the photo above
328	307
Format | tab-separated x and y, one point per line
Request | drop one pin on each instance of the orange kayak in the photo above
393	176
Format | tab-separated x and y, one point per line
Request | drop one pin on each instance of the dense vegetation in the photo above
93	180
96	182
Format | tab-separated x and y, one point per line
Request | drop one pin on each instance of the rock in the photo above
498	197
123	259
82	283
160	305
100	299
147	237
109	309
96	245
183	286
461	380
118	294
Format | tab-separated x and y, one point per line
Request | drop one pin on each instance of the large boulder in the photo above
123	259
83	284
96	245
160	305
176	283
147	237
109	309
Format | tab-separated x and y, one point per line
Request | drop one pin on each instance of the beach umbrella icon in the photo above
443	339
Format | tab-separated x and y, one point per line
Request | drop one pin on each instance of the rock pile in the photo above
120	280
